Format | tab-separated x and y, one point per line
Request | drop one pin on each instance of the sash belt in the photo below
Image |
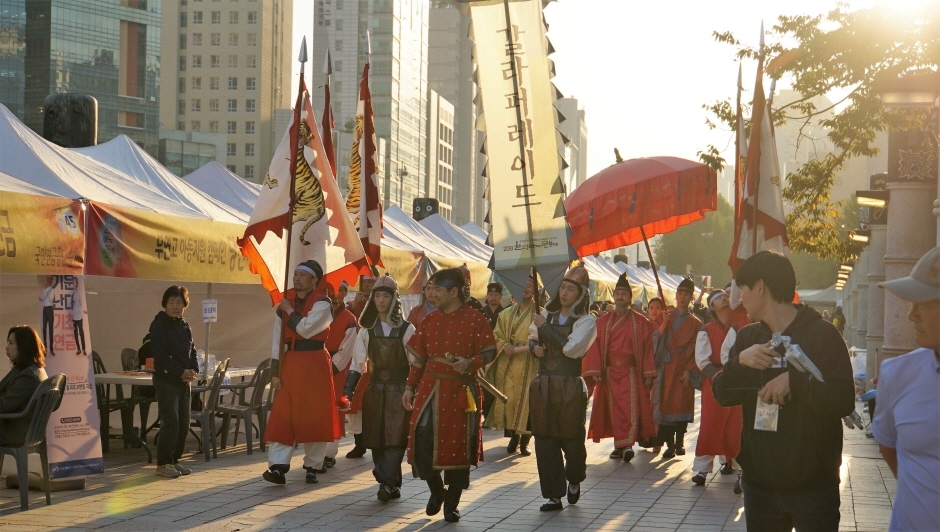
304	345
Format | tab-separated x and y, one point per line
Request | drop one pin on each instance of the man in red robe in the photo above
621	366
341	345
673	395
720	429
427	306
358	304
446	433
304	409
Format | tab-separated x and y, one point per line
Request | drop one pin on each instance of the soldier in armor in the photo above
560	336
381	344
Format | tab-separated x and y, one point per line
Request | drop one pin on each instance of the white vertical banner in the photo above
73	434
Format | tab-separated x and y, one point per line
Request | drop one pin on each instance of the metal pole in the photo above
659	285
205	355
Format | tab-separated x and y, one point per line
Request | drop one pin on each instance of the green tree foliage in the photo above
844	50
704	244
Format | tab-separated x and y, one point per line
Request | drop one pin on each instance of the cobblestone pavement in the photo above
228	494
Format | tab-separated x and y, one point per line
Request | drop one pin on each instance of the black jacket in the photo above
172	348
16	389
806	451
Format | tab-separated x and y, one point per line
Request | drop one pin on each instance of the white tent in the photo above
125	155
475	230
9	183
218	182
457	237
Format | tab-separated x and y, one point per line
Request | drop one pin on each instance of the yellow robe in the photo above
512	375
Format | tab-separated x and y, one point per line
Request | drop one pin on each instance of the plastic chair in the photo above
244	411
45	400
126	406
206	416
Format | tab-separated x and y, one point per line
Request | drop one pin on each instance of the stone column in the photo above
850	335
876	301
861	318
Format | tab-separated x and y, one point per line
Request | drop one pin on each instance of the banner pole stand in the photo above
205	354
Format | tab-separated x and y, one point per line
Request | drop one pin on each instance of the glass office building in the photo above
108	49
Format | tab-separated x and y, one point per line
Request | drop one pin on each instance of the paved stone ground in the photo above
229	495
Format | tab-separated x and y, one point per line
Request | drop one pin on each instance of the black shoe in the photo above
451	500
574	497
385	493
435	502
616	453
524	445
551	506
737	486
726	469
451	515
322	469
311	475
359	450
274	476
670	453
699	479
395	493
513	444
628	455
329	462
680	451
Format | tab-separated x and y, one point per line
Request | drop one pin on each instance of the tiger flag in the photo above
328	123
311	223
363	189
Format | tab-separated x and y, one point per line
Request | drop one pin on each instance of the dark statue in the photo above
70	120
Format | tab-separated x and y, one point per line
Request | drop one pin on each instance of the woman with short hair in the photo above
27	355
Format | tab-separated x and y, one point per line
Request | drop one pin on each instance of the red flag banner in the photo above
362	195
327	128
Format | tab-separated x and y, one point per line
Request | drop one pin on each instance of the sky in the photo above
641	70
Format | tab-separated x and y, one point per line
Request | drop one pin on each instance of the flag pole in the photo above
737	149
327	120
659	285
294	138
756	194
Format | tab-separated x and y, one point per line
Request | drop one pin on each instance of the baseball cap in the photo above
923	284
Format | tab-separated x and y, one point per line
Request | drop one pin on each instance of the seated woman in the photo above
175	368
27	355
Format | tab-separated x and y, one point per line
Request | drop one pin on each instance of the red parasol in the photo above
632	200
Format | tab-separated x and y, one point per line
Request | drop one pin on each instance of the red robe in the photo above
418	313
356	405
300	413
619	360
676	401
720	431
459	434
342	322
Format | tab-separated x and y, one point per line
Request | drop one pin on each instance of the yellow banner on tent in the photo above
138	244
41	235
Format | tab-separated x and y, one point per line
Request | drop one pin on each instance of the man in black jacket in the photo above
791	443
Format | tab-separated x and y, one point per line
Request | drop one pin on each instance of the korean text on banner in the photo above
41	235
518	104
147	245
73	436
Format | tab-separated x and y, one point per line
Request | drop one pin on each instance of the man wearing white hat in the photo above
907	420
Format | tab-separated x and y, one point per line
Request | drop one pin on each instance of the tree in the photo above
704	244
844	50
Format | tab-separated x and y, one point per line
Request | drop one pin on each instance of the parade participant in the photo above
445	433
560	336
673	396
366	282
792	453
381	344
620	368
340	344
304	409
354	415
656	310
418	313
494	296
470	300
720	427
513	371
699	309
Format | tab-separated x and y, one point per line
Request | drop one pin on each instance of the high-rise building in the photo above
227	68
398	30
106	49
575	152
440	170
450	72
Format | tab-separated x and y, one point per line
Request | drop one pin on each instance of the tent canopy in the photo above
475	230
457	237
218	182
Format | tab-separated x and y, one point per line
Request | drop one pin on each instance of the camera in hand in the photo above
794	355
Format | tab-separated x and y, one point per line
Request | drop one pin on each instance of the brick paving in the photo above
229	495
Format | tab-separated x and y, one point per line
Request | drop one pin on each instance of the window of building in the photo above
197	61
215	61
231	149
233	106
214	105
216	17
182	86
339	4
250	105
233	39
338	46
213	84
197	39
197	17
250	127
182	63
184	18
231	127
181	125
231	168
249	149
233	17
252	17
338	86
197	84
339	24
182	41
215	39
250	84
195	125
213	126
233	61
196	105
252	61
338	66
252	39
249	171
181	108
233	84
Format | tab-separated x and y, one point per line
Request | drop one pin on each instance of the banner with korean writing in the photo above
130	243
73	433
523	162
41	234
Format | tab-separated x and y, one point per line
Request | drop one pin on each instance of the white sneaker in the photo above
183	470
167	470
